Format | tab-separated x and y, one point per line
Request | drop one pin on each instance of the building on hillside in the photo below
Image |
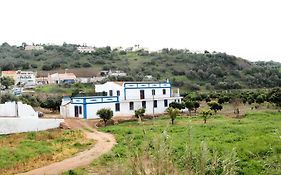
33	47
117	73
64	78
41	80
86	49
26	78
10	73
123	98
96	79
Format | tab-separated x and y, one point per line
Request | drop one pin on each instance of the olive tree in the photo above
105	114
173	112
206	114
139	113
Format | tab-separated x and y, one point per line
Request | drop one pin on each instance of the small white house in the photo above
57	78
86	49
123	98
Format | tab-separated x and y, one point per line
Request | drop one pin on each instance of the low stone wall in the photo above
10	125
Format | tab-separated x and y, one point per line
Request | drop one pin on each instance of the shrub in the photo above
105	114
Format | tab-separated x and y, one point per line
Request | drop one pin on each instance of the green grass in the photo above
256	139
21	152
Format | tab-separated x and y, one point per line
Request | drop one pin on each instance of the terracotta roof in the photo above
9	72
120	83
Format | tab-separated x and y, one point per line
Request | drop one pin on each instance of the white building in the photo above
57	78
123	98
26	78
19	117
33	47
117	73
86	49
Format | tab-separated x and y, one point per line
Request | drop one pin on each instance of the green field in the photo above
255	140
26	151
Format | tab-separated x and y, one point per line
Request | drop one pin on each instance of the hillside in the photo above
190	71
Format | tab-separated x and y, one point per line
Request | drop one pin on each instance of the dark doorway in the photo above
76	111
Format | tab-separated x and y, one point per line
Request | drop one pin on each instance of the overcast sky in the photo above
250	29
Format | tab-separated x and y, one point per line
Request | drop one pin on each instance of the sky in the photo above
250	29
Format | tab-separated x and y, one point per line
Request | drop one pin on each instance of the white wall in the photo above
110	86
10	109
10	125
68	110
135	93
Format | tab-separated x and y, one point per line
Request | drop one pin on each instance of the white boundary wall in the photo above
10	125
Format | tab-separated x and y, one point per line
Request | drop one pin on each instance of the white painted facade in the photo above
26	78
86	49
19	117
129	96
33	47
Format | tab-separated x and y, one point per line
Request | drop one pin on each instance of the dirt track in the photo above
104	143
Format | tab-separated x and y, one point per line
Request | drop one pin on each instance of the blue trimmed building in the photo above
123	98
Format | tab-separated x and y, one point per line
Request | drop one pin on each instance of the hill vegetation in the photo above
185	69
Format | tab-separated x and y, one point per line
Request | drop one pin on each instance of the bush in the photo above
105	114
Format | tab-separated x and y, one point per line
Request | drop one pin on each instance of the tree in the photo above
173	112
274	96
189	105
236	103
260	98
177	105
139	113
206	114
215	106
52	103
7	81
196	106
105	114
7	97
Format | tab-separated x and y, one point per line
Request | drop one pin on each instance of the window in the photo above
164	91
165	103
153	91
80	109
155	103
131	105
141	94
110	93
117	106
143	104
118	93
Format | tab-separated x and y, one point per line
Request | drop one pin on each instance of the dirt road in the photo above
104	143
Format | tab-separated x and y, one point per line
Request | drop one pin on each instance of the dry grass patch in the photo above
26	151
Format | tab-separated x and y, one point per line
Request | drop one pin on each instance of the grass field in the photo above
26	151
251	145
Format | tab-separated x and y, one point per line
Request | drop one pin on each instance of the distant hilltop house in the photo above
123	98
136	48
33	47
64	78
86	49
26	78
